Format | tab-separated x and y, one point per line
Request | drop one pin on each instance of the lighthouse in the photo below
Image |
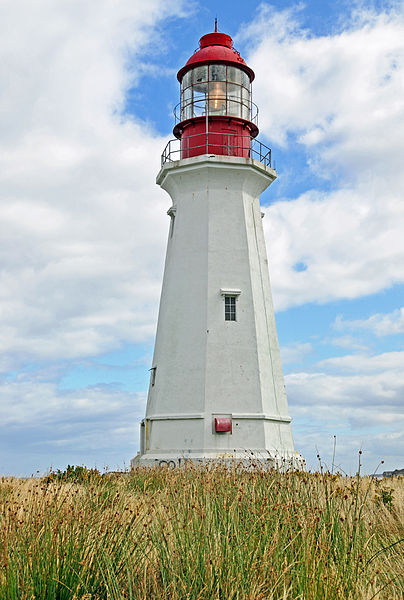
216	387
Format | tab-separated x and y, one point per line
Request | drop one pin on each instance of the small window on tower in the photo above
153	375
171	213
229	308
172	225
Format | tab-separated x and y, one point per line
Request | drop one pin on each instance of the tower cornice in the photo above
217	162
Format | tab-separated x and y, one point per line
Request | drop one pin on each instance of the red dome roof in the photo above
215	48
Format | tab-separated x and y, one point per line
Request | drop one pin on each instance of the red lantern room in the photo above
216	114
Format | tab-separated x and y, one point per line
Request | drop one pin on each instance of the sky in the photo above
87	93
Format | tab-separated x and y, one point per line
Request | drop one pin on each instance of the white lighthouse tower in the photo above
216	386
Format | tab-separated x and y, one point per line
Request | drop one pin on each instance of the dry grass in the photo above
202	534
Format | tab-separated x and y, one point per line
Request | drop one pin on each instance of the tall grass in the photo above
201	533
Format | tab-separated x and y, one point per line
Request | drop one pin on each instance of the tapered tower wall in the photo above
205	366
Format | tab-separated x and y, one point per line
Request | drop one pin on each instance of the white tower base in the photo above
205	367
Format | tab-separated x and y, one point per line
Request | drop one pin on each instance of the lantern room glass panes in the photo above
217	98
234	75
215	90
187	80
245	80
234	100
186	103
217	73
245	100
200	74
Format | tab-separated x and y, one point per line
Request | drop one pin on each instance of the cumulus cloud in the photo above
365	362
379	324
27	401
296	352
357	397
348	341
96	425
339	99
83	223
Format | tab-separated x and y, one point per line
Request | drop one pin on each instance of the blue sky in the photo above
85	112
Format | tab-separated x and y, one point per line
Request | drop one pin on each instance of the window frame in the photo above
230	311
153	376
230	293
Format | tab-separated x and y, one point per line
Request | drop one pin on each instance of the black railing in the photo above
225	145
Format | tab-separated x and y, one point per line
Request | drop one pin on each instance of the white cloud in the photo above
27	401
340	98
83	223
366	363
45	427
296	352
362	403
347	341
379	324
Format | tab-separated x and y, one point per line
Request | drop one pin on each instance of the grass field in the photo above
201	534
